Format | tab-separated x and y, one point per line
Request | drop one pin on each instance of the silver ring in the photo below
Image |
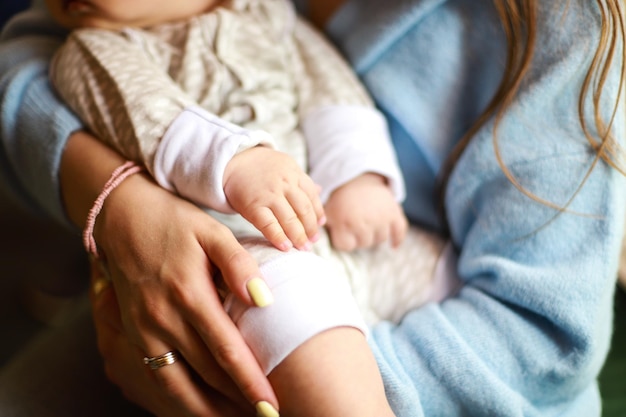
160	361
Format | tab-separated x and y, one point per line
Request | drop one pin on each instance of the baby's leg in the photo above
397	280
312	341
332	374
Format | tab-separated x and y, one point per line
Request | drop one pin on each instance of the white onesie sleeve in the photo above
192	156
346	135
347	141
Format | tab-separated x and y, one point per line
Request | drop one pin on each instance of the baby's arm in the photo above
128	100
350	151
271	191
363	213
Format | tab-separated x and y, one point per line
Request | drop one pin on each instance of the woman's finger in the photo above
121	357
103	300
153	264
169	391
237	267
174	379
228	349
193	350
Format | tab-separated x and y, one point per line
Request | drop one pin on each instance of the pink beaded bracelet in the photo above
117	177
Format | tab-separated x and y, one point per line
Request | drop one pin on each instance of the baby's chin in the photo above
74	14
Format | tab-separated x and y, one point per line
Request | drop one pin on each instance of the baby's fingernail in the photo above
260	292
307	246
322	221
285	246
315	237
265	409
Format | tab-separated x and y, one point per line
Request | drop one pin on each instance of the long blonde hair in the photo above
519	20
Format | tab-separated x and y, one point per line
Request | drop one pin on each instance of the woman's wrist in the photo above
119	175
86	166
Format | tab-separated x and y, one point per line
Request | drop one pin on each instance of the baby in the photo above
243	108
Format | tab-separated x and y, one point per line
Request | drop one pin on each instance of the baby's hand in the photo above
363	213
271	191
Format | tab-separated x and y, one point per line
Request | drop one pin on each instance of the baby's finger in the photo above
238	268
306	210
265	221
343	240
398	231
290	221
366	238
313	190
381	234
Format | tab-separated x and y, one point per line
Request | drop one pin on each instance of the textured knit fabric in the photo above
29	161
252	63
528	333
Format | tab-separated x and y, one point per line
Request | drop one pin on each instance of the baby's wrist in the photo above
194	153
239	161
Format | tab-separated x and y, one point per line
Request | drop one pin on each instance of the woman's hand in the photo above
135	380
162	254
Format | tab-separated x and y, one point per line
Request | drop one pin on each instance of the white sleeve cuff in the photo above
192	156
309	297
347	141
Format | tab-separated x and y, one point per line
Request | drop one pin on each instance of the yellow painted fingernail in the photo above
265	409
260	292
